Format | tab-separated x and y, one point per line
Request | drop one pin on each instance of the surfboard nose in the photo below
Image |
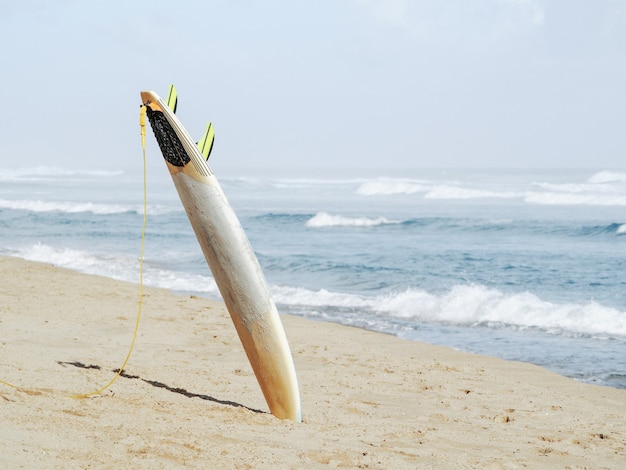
150	98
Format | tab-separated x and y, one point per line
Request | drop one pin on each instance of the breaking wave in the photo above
77	207
324	219
605	188
49	172
471	305
119	267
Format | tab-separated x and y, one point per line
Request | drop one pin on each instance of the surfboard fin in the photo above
205	144
172	99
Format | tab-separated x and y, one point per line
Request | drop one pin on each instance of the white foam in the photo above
120	268
621	230
471	305
77	207
322	298
478	304
59	206
430	189
605	188
607	177
288	183
47	172
463	304
298	183
181	281
457	192
324	219
67	258
570	199
390	186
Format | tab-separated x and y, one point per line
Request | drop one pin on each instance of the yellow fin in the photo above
172	98
205	144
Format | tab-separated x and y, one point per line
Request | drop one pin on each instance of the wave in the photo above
607	177
601	189
571	199
116	268
256	183
605	188
457	192
119	267
574	188
324	219
78	207
68	207
430	189
391	186
49	172
471	305
615	229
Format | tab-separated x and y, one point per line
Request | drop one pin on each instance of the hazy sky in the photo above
329	84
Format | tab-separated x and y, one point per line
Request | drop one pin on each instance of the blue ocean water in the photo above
523	265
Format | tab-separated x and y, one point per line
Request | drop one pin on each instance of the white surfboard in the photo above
230	257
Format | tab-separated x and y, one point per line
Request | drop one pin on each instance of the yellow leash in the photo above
11	385
142	123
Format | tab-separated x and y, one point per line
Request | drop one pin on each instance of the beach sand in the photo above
188	397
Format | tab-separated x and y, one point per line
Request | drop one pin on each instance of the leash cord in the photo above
142	123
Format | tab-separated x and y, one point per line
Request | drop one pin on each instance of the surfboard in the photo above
230	257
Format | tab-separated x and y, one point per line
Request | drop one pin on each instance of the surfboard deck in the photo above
230	257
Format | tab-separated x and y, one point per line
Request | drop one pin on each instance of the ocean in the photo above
527	265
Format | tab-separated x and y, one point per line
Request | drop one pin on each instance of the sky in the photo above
356	85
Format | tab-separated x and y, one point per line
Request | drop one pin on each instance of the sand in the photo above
188	397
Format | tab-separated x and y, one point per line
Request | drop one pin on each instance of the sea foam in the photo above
572	199
47	172
77	207
68	207
324	219
390	186
457	192
607	177
605	188
471	305
123	268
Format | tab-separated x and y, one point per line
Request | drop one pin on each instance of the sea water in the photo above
523	265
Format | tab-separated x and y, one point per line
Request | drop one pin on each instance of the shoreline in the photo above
188	395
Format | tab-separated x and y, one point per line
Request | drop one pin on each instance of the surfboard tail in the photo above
272	364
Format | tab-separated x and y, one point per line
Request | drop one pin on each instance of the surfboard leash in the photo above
142	123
